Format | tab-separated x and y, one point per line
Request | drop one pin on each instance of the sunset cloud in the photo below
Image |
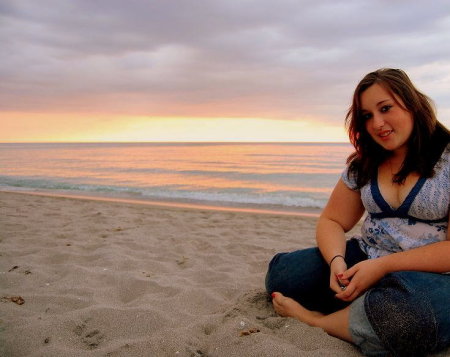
284	60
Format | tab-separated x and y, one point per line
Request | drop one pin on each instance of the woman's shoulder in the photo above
349	178
444	160
446	152
441	169
441	143
438	156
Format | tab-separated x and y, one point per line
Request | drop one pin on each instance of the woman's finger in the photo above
346	293
336	284
350	294
336	287
348	274
342	281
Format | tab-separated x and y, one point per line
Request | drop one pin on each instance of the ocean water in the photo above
282	175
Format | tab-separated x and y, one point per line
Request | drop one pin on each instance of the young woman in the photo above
386	290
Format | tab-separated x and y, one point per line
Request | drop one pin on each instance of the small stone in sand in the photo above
16	299
250	331
182	261
13	268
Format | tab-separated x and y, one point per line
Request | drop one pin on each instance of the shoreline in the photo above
185	204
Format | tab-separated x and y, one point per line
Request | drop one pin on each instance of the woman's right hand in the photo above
338	267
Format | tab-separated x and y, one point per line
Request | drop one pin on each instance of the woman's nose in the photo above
378	121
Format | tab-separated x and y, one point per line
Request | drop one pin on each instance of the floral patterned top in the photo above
421	219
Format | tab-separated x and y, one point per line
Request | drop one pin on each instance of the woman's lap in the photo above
409	311
304	276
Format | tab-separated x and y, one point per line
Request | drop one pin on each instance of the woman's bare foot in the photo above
288	307
335	324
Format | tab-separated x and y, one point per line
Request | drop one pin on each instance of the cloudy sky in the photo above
183	70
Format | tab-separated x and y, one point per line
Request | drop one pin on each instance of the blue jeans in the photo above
305	276
409	311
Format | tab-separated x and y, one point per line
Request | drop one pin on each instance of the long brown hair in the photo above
425	145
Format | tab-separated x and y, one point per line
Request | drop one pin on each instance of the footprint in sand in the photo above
255	306
182	261
90	338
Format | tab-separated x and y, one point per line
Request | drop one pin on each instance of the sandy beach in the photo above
117	279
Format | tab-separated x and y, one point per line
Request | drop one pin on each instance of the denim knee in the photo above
298	270
269	281
409	312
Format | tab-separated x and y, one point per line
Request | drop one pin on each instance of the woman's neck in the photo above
397	157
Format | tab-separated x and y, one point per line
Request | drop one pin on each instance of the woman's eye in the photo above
366	116
385	108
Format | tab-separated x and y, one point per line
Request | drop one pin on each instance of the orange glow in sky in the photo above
35	127
283	73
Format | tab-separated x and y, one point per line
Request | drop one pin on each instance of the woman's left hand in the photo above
362	276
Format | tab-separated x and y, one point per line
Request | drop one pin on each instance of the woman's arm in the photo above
342	212
433	257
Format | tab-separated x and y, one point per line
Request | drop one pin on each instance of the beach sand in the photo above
117	279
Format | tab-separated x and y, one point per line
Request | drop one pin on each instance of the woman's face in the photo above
386	121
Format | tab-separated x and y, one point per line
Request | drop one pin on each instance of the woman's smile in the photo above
385	133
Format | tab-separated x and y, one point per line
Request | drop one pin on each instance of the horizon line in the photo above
175	142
